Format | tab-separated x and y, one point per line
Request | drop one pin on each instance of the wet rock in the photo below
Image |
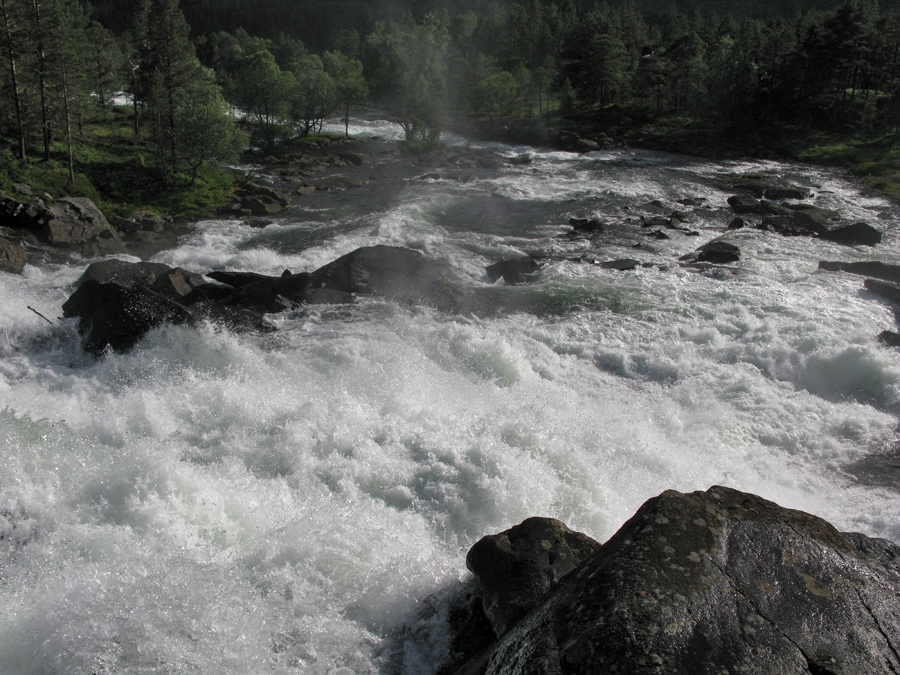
813	217
718	252
656	221
516	568
869	268
786	192
392	272
736	224
116	316
258	190
261	205
889	338
786	226
150	222
13	257
743	205
858	234
658	234
236	279
178	283
513	271
270	294
125	225
72	222
624	265
884	289
126	274
717	581
586	224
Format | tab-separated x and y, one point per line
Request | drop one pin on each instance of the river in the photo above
301	501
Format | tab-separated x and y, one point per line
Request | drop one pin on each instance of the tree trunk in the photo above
11	55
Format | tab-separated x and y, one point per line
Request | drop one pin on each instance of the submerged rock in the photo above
869	268
710	582
513	271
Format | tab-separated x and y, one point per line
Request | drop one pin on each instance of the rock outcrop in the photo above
714	582
70	222
12	258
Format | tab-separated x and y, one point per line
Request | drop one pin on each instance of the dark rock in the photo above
884	289
786	226
255	189
326	296
858	234
813	217
623	265
889	338
236	279
516	568
718	252
150	222
270	294
786	192
658	234
656	221
123	273
714	582
12	258
873	268
742	205
261	205
513	271
586	225
69	221
736	224
112	315
178	283
125	225
774	209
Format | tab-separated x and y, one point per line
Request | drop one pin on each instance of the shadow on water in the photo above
880	470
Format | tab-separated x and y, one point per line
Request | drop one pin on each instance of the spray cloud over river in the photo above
219	503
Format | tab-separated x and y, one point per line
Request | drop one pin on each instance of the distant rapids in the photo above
298	502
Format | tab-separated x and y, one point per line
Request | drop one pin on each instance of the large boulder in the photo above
125	273
858	234
114	315
69	222
813	217
717	252
717	582
392	272
868	268
12	258
516	568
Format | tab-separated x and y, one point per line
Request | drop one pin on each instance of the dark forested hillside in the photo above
318	22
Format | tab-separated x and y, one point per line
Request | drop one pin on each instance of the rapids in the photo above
300	502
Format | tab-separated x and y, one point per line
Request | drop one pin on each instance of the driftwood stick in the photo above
40	315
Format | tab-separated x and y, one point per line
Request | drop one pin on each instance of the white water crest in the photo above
289	503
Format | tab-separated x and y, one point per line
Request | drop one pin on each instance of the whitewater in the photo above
302	501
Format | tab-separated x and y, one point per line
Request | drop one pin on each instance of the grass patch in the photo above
876	162
117	174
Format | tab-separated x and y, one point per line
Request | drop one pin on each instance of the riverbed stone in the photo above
869	268
516	568
514	270
12	258
116	316
720	581
858	234
718	252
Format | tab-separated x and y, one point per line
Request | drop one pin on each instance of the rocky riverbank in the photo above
708	582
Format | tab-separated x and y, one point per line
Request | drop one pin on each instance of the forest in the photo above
119	101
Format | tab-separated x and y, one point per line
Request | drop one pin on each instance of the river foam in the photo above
284	503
